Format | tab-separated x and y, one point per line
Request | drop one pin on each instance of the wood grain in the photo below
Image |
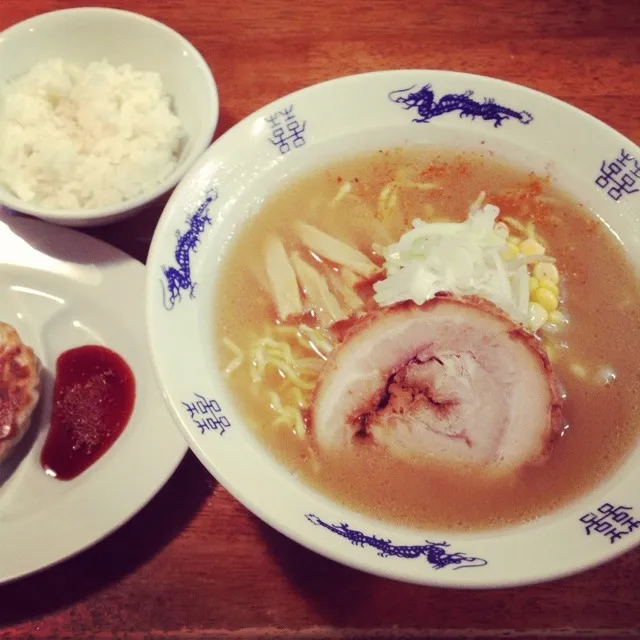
194	563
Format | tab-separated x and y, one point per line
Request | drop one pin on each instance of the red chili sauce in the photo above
93	401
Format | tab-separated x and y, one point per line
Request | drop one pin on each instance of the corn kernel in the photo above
533	284
546	271
531	247
537	316
510	252
545	283
557	318
546	299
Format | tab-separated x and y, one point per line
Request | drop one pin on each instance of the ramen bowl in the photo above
313	128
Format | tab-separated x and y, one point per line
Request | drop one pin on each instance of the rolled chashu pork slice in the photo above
454	379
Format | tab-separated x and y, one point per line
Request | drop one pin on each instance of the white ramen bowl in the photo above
311	128
89	34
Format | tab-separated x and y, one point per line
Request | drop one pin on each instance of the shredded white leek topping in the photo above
464	258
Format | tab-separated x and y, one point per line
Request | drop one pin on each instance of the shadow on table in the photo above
335	590
346	598
130	547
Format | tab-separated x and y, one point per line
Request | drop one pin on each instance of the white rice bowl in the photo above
132	124
81	138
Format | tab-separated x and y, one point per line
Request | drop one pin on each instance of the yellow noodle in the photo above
298	398
287	371
239	356
515	224
255	374
421	186
260	360
321	342
300	427
531	231
284	330
287	416
275	402
309	364
282	350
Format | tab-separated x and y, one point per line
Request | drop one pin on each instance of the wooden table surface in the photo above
194	563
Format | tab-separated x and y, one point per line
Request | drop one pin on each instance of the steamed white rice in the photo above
73	137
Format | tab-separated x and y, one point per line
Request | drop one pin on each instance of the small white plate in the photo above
61	289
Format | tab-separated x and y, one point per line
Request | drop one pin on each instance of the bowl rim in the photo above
250	502
200	144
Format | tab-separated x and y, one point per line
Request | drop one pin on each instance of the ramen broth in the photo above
600	296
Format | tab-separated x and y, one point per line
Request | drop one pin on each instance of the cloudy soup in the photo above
433	338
